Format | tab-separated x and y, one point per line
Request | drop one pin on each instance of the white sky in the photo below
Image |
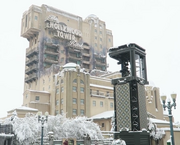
152	24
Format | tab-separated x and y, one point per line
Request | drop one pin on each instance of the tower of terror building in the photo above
56	38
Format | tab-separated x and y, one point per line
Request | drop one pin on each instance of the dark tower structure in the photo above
129	91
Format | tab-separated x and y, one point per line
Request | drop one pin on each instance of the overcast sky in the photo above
152	24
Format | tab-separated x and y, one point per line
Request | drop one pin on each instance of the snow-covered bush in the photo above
113	123
27	129
156	133
118	142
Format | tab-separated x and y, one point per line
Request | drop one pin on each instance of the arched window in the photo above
82	82
75	81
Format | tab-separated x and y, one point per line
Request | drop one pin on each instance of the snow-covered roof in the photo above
99	86
39	91
104	115
24	108
158	121
168	129
70	65
93	16
109	114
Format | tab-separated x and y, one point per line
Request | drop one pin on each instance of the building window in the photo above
75	81
62	51
43	88
61	101
43	81
101	103
57	112
49	87
74	89
155	97
61	111
90	91
95	30
57	102
82	112
74	100
37	98
97	92
102	125
82	82
26	95
100	46
109	40
78	55
100	32
82	90
57	91
95	44
36	17
82	101
94	103
107	94
62	89
57	82
61	81
26	21
79	62
74	111
111	105
95	37
62	60
100	39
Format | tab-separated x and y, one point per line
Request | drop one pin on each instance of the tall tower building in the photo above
56	38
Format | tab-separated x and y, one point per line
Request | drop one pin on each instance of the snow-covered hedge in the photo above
27	129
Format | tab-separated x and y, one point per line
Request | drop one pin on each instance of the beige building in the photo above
55	38
66	68
73	91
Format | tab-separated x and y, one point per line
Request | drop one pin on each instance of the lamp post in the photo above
42	119
169	106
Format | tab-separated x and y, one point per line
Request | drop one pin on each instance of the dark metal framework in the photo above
132	59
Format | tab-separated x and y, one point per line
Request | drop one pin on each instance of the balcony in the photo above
86	54
97	94
74	57
86	47
29	32
32	60
100	63
71	49
31	52
100	56
50	61
50	52
31	78
85	62
31	69
51	45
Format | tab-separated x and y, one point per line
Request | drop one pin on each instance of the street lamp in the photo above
169	106
42	119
